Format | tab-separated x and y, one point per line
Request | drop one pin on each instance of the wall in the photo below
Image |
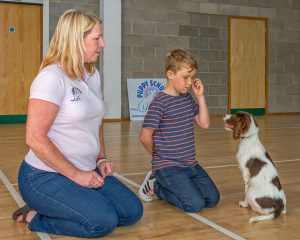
58	7
152	27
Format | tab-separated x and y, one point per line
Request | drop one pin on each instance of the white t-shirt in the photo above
75	130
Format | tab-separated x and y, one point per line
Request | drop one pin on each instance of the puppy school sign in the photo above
141	92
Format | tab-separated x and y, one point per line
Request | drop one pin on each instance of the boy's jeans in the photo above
190	188
66	208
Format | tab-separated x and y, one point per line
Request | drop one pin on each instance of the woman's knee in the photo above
137	212
133	214
102	226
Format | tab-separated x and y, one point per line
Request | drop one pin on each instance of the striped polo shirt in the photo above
172	117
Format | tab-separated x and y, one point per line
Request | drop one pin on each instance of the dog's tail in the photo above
262	217
278	207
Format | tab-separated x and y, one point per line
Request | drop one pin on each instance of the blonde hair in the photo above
67	47
177	58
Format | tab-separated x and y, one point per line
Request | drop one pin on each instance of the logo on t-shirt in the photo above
76	94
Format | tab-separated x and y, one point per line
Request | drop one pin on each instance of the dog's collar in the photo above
249	136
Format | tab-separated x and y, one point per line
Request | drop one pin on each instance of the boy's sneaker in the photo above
146	191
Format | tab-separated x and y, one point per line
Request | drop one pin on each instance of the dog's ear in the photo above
256	125
245	125
237	130
242	125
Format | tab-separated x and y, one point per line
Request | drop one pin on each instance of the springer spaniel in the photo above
263	191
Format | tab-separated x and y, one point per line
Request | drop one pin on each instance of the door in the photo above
21	54
247	65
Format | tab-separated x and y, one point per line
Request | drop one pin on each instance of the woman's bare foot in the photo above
29	216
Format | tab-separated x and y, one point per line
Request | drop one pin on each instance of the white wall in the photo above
110	11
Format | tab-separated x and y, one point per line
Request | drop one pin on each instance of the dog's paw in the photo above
243	204
284	211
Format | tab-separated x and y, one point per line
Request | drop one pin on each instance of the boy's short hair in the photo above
177	58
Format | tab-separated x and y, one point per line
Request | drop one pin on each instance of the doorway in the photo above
21	55
247	65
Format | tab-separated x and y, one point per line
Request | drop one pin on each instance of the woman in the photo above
65	178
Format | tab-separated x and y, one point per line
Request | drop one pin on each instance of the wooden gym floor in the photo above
216	151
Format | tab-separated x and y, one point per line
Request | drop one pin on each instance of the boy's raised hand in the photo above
198	87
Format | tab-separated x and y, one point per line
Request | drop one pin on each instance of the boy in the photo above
168	135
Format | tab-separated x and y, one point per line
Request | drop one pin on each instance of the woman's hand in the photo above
106	168
89	179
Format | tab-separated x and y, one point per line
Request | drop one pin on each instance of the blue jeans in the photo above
66	208
190	189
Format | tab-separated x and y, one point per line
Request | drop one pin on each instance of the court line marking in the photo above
19	200
220	130
214	130
134	174
194	215
16	139
235	165
287	160
12	141
220	166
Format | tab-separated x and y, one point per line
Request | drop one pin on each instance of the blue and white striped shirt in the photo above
172	117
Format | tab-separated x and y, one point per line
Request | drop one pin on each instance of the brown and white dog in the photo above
263	191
